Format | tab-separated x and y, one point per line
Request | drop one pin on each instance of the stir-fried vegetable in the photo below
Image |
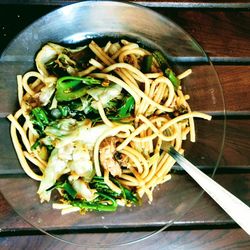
60	61
70	88
66	187
126	109
69	113
69	130
67	136
163	63
147	63
171	76
161	59
103	203
104	94
105	197
40	118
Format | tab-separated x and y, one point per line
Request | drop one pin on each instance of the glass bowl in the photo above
74	24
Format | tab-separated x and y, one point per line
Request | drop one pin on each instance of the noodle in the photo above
103	116
27	169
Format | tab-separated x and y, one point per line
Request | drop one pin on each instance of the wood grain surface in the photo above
206	26
235	84
226	239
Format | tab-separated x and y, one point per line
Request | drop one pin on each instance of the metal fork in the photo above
234	207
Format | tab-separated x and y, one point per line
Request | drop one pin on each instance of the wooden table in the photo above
222	28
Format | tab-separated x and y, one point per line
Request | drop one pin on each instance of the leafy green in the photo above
127	194
55	69
104	94
101	187
68	60
66	186
127	107
103	203
105	199
99	184
36	144
39	118
64	110
61	111
62	127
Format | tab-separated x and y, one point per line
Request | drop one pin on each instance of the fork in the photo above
234	207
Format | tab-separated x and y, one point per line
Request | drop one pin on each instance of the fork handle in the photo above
234	207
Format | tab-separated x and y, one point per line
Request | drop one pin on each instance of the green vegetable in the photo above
61	128
103	202
127	194
127	107
55	69
118	109
71	87
68	61
161	59
98	205
147	63
171	76
104	94
35	145
64	131
163	63
101	187
98	183
64	110
66	186
43	153
106	197
39	118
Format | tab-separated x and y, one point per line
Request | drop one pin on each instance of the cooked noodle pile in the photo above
92	122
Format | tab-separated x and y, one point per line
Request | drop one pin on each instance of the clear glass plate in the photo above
74	24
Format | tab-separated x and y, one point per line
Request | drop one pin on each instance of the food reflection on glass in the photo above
92	121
